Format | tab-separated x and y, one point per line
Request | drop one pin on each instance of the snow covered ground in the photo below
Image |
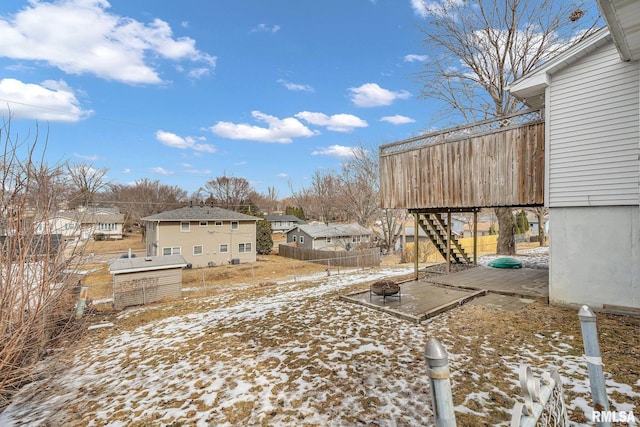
293	354
530	258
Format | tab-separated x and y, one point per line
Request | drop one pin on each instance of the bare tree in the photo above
228	192
146	197
86	181
478	47
361	186
36	268
541	213
323	200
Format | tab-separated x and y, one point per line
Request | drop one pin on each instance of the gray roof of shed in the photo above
334	230
131	265
199	213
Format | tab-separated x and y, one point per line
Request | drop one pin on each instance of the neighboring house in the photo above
203	235
139	281
484	229
329	237
533	224
85	223
283	223
591	96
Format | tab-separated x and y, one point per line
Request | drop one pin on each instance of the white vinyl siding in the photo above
594	129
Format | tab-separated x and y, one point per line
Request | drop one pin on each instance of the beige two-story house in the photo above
203	235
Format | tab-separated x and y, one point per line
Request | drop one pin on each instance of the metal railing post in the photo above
594	361
438	370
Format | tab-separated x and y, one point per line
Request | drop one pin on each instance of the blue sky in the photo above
186	91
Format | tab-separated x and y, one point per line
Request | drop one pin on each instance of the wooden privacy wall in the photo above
502	168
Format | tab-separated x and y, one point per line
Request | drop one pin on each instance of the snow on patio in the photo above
293	354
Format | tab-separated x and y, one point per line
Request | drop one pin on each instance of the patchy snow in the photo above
291	354
530	258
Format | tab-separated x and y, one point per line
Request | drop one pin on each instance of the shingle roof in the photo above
199	213
91	217
334	230
291	218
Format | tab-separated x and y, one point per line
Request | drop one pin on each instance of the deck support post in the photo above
416	246
448	241
475	237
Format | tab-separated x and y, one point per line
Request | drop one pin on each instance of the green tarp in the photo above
505	263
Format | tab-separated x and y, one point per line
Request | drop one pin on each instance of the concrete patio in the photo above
501	289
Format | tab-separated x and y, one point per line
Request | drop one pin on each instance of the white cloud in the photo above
80	36
296	86
50	101
336	123
91	158
264	28
127	170
277	130
161	171
397	119
372	95
190	169
282	175
419	7
440	8
172	140
412	57
336	151
240	163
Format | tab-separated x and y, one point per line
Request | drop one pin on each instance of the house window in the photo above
171	251
328	239
295	238
185	226
244	247
197	250
224	248
301	239
204	223
234	225
218	224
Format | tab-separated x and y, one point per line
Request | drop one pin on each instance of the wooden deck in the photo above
507	289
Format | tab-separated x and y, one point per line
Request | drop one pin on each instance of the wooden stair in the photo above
435	227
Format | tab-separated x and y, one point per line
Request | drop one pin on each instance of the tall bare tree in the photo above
86	181
361	186
324	199
146	197
228	192
478	47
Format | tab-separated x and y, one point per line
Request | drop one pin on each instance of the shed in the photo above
138	281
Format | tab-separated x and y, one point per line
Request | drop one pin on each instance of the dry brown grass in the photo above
130	241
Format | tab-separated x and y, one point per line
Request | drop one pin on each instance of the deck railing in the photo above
465	131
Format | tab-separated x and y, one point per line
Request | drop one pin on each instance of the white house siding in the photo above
593	132
594	254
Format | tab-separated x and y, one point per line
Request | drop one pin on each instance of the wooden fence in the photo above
357	258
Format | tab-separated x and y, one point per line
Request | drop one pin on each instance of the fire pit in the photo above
385	288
